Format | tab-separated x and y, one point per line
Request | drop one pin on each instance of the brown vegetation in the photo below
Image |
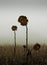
7	52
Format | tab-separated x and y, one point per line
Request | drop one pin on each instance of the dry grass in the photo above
37	57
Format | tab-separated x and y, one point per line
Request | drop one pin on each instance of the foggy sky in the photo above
36	12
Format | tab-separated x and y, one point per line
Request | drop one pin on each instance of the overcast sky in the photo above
36	12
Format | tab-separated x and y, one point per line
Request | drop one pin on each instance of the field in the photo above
34	58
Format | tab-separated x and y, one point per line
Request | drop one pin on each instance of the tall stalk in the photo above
15	44
26	37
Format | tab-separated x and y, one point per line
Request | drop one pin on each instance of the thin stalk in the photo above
15	43
26	37
26	44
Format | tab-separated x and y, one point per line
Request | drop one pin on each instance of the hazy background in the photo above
36	12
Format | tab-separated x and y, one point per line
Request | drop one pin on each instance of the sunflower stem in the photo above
15	44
